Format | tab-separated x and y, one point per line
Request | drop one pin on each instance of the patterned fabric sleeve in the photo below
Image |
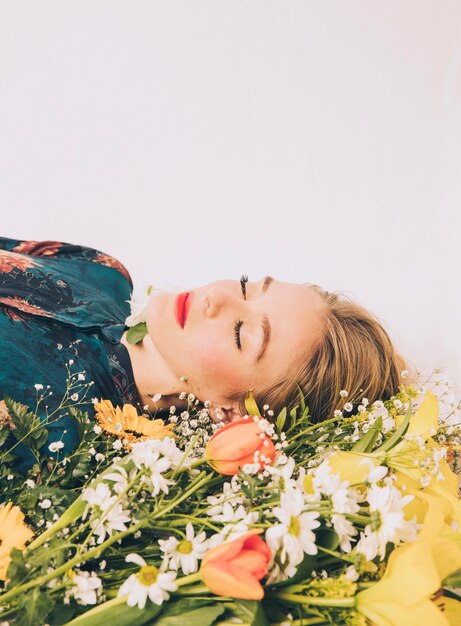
62	249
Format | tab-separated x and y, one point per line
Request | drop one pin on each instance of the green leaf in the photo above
397	436
303	572
250	404
365	444
61	615
27	426
34	606
327	538
281	418
137	333
203	616
116	612
454	580
251	612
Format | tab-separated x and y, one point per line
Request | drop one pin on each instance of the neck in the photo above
152	376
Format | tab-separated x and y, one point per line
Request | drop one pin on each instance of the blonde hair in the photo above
354	354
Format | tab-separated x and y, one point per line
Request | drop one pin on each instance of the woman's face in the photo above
236	336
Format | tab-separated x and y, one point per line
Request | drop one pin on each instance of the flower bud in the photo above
235	568
237	444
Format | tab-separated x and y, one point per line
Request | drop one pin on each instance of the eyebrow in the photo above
265	324
267	282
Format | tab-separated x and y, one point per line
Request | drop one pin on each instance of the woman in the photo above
63	308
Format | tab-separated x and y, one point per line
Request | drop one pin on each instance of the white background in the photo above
202	139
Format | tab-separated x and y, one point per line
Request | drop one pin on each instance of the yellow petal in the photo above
451	609
353	466
424	421
447	557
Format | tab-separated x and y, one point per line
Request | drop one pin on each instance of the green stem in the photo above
334	602
76	560
199	483
98	609
337	555
314	427
191	578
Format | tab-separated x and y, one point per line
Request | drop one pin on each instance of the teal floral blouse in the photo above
62	306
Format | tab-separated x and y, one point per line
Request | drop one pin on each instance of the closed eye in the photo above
237	326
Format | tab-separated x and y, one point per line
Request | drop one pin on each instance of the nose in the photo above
219	298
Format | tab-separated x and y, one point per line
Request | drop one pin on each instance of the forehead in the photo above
296	320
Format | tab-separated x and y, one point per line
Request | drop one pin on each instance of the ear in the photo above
226	414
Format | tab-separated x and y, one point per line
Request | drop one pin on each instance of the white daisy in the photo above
185	553
388	523
148	582
294	533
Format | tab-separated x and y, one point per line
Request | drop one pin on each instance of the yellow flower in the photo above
451	610
413	575
128	425
13	534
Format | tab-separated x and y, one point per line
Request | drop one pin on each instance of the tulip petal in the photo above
254	542
225	580
252	562
229	549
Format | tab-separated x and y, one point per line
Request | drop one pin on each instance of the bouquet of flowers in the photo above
268	520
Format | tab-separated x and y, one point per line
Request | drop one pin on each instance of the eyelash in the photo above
238	323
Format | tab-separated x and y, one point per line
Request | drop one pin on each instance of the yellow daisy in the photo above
13	534
128	425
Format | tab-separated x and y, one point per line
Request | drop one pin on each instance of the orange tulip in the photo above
235	568
237	444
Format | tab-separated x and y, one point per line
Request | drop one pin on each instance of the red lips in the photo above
182	305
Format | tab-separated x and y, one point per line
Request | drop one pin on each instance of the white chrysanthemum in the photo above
120	477
148	582
388	523
345	531
236	521
138	305
146	456
282	472
107	515
100	496
278	573
185	553
85	586
343	498
294	533
115	519
167	448
227	495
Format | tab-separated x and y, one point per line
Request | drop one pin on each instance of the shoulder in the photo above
62	250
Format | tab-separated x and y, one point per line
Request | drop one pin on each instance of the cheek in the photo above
220	365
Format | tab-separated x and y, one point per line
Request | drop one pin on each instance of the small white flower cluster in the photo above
194	423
